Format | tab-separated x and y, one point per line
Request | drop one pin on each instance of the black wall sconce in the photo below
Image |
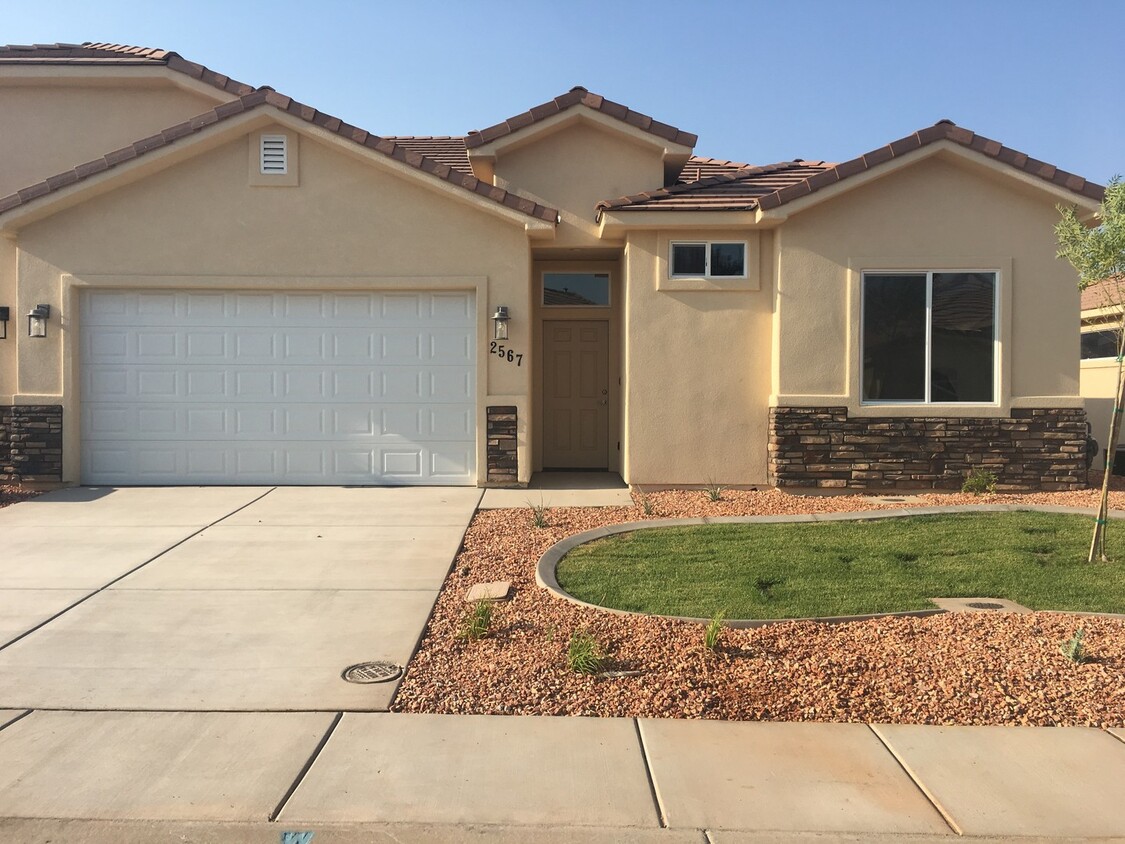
37	321
5	315
500	323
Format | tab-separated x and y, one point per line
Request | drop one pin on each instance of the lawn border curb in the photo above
546	568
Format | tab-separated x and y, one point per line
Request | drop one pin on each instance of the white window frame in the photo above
929	275
707	258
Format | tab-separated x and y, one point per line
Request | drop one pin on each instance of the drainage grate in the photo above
984	605
372	672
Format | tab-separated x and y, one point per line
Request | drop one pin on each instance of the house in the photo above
1101	306
212	283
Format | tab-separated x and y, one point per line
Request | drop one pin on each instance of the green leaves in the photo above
1097	253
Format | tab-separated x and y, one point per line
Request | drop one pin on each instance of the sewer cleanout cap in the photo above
372	672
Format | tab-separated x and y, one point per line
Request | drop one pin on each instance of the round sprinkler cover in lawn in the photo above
372	672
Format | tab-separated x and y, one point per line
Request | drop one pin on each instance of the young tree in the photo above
1098	254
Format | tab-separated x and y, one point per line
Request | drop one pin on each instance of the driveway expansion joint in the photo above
941	810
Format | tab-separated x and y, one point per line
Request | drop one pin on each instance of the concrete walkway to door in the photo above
218	598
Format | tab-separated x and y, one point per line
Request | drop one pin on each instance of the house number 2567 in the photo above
504	353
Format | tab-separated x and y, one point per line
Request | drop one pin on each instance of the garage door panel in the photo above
248	387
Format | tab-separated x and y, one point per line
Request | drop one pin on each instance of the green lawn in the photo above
848	568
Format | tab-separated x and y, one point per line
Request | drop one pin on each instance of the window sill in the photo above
733	284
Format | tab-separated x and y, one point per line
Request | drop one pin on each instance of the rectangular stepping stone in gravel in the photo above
496	591
1051	782
784	777
478	769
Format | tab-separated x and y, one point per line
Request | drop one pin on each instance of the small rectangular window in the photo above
275	159
708	260
575	290
1099	344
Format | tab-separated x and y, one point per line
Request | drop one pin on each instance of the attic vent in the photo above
275	158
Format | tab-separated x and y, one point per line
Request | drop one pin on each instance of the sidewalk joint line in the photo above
948	818
1120	738
301	774
656	804
137	568
707	836
17	718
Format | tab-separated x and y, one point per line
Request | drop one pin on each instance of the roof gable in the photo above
269	97
579	96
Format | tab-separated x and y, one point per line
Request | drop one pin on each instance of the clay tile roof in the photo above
263	96
101	54
580	96
737	189
1109	293
698	168
445	149
773	186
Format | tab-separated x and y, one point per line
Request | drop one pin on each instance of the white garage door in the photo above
187	387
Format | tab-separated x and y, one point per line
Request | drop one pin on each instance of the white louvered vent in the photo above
275	155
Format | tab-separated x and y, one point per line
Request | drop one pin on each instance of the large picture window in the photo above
929	337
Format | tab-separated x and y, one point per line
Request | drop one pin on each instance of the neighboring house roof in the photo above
580	96
445	149
736	190
1109	293
698	168
267	96
719	194
91	53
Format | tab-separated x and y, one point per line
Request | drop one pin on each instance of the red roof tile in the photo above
733	190
580	96
446	149
91	53
264	96
778	184
1109	293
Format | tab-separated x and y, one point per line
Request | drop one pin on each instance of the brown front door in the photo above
576	394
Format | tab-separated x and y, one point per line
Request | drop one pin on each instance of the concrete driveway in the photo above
218	598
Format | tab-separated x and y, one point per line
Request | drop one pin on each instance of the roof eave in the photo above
612	223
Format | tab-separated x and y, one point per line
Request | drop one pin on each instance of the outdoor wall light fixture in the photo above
5	314
500	322
37	321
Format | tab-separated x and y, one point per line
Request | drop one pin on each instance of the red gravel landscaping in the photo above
947	669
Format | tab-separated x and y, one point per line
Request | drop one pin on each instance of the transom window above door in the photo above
929	337
575	290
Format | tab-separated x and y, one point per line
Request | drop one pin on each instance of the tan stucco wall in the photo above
936	214
349	225
697	370
574	168
1098	384
46	129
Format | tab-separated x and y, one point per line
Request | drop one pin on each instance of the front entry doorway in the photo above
576	394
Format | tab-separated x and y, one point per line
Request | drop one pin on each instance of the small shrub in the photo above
713	491
476	622
1074	648
539	515
584	655
978	481
647	507
713	633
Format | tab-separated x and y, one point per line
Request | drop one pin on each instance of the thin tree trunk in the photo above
1097	544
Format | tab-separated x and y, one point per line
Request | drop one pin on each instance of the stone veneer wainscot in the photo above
503	463
31	443
1033	448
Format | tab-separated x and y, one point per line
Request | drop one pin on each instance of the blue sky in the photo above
757	81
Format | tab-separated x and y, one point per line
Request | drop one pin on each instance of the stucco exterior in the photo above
700	372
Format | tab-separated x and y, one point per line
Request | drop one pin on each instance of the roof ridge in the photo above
943	130
428	137
263	96
94	51
579	96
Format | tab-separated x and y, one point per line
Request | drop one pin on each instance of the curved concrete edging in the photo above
545	571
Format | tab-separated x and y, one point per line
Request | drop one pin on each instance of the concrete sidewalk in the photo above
106	776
